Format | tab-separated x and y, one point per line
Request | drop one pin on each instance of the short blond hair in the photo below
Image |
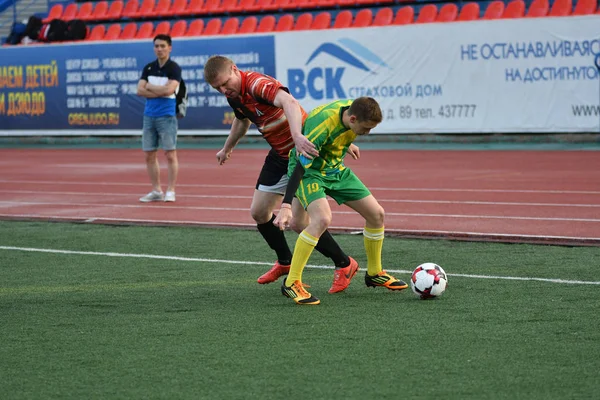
214	66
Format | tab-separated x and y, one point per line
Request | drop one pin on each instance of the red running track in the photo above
513	196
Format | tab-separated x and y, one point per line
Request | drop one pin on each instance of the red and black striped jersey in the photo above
256	103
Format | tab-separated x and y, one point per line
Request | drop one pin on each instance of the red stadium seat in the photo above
405	15
196	27
321	21
303	22
178	28
128	31
213	27
448	13
113	32
230	27
284	4
561	8
145	31
177	8
115	11
304	4
343	19
366	3
494	10
211	6
327	3
99	12
538	8
248	25
55	13
194	7
346	3
427	13
162	8
146	9
97	33
364	18
227	6
85	11
70	12
384	17
244	6
163	28
585	7
266	24
285	23
131	8
514	9
469	12
263	5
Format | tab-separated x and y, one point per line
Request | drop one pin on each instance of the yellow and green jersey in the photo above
325	129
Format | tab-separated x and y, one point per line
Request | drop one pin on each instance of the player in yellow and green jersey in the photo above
332	128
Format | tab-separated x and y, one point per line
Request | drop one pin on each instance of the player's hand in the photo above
354	151
222	156
305	147
282	221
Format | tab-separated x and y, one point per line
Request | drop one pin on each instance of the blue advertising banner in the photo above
90	88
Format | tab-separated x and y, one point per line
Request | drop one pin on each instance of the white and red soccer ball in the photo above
428	281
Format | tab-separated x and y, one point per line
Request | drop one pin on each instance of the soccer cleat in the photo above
386	280
274	273
343	276
298	293
152	196
170	196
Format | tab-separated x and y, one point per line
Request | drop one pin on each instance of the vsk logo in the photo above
326	83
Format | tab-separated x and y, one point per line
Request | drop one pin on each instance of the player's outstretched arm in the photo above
239	128
283	219
291	108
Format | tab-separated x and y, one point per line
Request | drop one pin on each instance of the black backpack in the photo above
33	27
181	100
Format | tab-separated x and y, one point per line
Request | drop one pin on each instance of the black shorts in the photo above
273	175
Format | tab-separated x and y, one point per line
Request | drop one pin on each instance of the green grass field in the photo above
194	324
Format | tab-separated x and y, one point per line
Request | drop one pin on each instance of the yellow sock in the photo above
373	238
304	247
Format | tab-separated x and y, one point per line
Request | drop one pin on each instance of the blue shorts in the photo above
161	130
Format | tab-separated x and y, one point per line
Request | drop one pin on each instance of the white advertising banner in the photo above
519	75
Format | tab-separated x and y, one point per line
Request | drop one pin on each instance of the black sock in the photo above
276	240
330	249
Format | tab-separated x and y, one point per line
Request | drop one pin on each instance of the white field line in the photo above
212	260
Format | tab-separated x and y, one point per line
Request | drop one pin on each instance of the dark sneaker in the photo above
297	293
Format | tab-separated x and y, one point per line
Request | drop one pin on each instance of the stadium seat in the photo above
514	9
244	6
248	25
212	6
327	3
285	23
178	28
303	22
163	28
193	7
367	3
346	3
285	4
145	31
85	11
113	32
115	11
405	15
54	13
266	24
231	26
161	9
128	31
364	18
263	5
146	9
196	27
305	4
343	19
97	33
227	6
448	13
561	8
99	11
469	12
177	8
131	8
213	27
69	12
585	7
538	8
322	21
427	13
494	10
384	17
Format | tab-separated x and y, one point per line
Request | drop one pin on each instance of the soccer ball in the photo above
428	280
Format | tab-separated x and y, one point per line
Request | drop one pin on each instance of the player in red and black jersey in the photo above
262	100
